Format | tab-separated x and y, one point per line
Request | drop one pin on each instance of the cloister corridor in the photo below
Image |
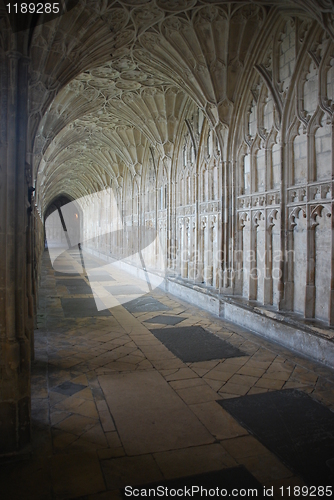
166	249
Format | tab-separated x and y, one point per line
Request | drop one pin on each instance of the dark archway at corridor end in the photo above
70	229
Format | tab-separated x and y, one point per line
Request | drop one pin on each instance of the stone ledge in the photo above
278	328
317	343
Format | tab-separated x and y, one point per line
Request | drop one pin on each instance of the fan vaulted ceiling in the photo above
111	82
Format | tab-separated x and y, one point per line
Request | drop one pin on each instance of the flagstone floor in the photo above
112	406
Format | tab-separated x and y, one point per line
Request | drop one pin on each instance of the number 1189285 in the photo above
33	8
303	491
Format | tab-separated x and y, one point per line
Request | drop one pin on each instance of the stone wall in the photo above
16	243
278	210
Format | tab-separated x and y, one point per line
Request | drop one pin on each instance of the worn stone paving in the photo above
81	449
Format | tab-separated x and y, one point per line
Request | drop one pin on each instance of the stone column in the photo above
207	251
226	223
310	271
178	240
268	277
183	248
210	249
331	297
172	223
253	275
14	325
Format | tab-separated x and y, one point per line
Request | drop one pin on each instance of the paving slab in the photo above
81	308
124	290
149	416
75	475
295	427
145	304
68	388
165	320
193	343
